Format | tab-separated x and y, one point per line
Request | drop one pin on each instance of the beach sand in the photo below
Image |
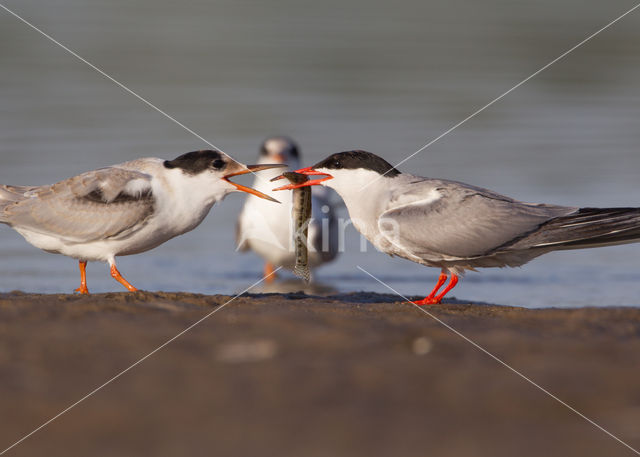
292	375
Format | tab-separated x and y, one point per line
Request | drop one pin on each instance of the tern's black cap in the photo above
196	162
353	160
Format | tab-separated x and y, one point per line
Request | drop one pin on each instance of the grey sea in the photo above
388	77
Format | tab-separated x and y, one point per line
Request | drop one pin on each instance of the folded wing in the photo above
101	204
446	220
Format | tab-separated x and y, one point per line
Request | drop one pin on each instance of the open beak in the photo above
252	169
309	171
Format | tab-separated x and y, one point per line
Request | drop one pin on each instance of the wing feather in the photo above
462	222
106	203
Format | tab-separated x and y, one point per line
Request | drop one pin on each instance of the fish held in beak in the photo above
309	171
252	169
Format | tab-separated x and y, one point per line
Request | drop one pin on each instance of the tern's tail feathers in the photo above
10	195
586	228
14	193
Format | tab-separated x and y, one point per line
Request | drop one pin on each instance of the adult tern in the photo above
456	226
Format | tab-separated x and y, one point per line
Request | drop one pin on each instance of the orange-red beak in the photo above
251	169
309	171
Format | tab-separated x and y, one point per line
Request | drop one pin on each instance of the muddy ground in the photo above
293	375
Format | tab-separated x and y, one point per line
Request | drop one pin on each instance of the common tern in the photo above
456	226
123	209
267	229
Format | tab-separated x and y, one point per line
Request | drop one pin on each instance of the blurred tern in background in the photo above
268	230
123	209
455	226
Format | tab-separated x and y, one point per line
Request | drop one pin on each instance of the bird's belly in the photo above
272	239
148	237
272	248
41	241
157	231
138	243
96	251
267	231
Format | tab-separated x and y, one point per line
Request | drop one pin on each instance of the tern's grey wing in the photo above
10	195
445	220
13	193
105	203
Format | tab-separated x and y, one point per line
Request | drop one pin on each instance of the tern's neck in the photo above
195	194
365	193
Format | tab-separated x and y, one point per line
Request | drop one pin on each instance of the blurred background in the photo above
387	77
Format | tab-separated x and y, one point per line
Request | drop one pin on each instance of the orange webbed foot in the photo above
82	290
427	301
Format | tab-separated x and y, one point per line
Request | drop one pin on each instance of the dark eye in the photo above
218	164
337	164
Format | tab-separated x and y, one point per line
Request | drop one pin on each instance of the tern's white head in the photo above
348	173
280	149
210	170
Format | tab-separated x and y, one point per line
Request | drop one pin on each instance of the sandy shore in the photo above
293	375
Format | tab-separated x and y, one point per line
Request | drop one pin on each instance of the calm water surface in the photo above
335	75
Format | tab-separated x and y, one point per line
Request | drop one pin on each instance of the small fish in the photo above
301	214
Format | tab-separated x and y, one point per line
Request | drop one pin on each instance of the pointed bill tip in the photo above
251	169
268	166
251	191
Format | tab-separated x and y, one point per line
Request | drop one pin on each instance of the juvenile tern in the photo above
455	226
123	209
268	230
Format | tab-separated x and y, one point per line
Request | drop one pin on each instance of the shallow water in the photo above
387	77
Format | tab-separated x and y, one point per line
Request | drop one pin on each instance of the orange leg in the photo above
269	274
118	277
82	264
432	299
